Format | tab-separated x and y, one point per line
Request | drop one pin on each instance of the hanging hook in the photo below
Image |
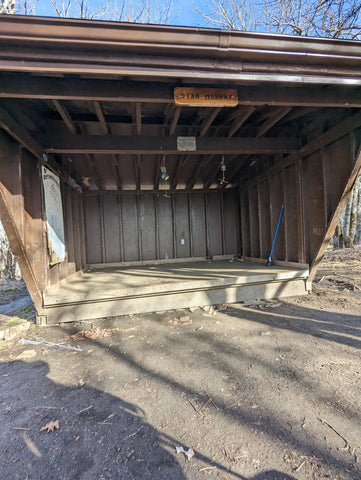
223	180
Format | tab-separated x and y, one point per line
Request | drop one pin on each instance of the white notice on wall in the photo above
186	144
54	216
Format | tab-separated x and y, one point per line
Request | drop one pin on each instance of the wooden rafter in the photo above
182	160
174	120
274	118
240	120
91	164
63	112
205	161
209	120
31	122
138	118
105	131
100	115
136	112
137	163
23	137
89	159
173	124
340	130
262	130
199	167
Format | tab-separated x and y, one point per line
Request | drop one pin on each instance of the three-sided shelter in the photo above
145	167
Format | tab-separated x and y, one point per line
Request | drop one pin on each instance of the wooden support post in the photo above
301	247
336	216
22	136
19	251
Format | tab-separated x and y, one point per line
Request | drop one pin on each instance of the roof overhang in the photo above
107	49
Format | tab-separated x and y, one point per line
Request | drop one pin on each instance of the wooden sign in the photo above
206	97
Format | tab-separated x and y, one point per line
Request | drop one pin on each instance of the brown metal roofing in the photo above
53	45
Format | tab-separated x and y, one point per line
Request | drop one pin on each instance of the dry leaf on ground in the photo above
50	426
93	333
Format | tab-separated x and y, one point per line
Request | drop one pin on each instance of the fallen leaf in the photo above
50	426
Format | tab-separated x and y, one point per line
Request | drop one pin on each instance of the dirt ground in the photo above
269	390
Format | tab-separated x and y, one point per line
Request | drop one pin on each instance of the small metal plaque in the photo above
186	144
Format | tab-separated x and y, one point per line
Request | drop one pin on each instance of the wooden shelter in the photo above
144	167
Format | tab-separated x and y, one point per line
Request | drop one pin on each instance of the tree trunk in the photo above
354	208
9	267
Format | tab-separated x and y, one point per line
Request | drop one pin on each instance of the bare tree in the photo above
7	7
20	7
316	18
230	14
147	11
139	11
319	18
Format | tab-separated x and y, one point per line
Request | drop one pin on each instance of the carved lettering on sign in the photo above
206	97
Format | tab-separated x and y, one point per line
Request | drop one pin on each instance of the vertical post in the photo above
206	222
121	223
19	251
222	222
285	213
102	227
155	201
301	247
173	227
189	225
140	249
336	215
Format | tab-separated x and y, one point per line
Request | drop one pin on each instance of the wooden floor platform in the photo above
118	290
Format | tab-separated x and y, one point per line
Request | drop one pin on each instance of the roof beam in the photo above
90	161
340	130
208	121
240	120
173	123
199	167
100	115
138	118
22	136
271	122
65	115
105	131
106	144
26	86
264	128
235	126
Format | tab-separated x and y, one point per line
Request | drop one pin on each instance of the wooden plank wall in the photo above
124	227
21	182
309	189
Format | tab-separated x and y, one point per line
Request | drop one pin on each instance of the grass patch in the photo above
26	309
4	344
10	290
13	322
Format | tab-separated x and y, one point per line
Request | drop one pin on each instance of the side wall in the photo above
311	190
22	211
123	227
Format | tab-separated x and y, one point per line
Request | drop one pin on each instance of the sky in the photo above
186	16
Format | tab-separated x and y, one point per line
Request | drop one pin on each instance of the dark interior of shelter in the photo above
179	153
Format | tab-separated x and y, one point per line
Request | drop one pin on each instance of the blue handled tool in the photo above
269	261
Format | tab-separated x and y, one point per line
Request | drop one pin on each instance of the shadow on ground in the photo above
100	436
